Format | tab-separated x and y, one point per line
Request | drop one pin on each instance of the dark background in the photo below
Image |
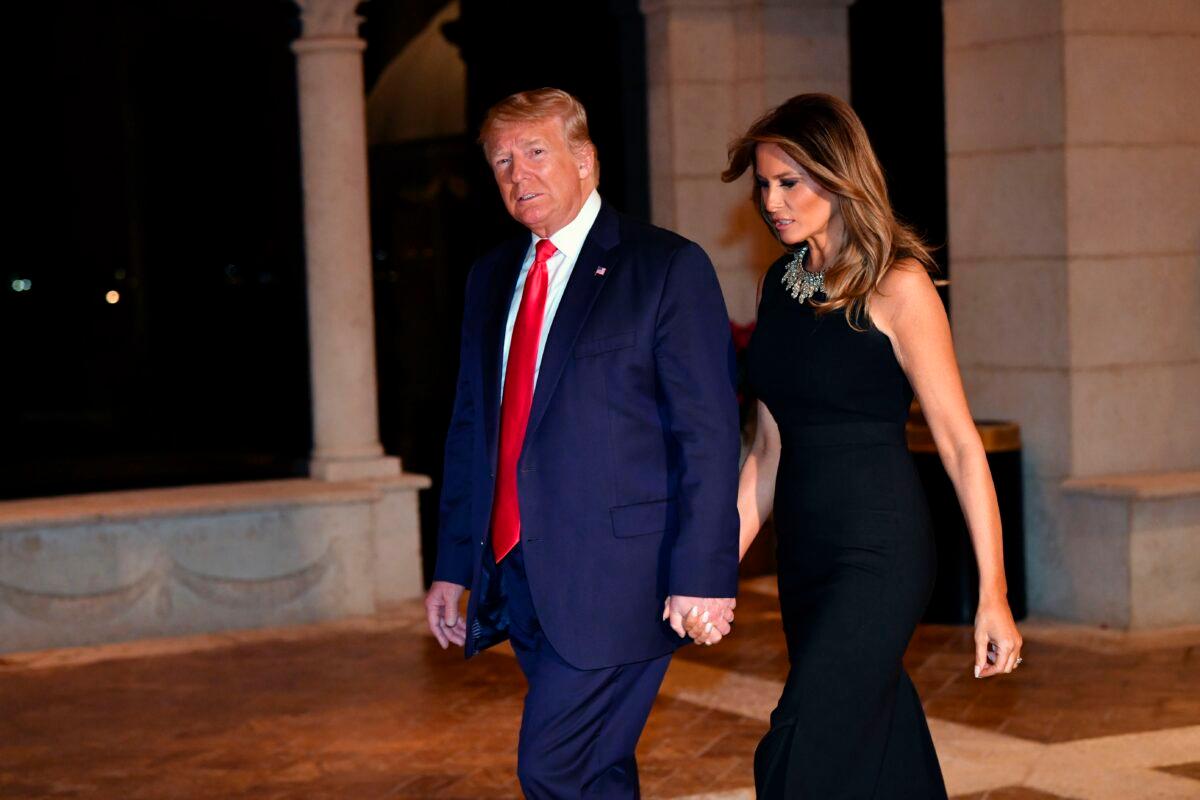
161	161
158	159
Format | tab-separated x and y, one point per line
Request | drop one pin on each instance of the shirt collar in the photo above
569	240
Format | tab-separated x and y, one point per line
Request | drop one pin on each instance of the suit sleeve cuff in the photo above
460	575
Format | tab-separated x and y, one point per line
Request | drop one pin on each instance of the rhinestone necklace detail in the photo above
799	282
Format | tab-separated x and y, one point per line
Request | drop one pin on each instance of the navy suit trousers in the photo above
580	727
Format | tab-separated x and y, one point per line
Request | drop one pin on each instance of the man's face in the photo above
543	184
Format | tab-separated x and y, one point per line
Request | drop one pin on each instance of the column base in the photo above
354	469
1133	541
397	539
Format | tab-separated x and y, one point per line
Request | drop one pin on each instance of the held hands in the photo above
706	619
997	640
441	608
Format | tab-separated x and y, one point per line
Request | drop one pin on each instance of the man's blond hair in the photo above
536	105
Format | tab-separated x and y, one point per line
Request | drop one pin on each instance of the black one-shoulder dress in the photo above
856	559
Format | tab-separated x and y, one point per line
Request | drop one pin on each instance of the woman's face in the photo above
797	206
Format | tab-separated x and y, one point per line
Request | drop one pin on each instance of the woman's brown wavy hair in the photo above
825	137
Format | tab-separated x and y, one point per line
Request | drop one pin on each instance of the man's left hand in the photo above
706	619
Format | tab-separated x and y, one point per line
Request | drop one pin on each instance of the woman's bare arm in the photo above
908	310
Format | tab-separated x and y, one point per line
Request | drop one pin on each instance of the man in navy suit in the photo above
589	500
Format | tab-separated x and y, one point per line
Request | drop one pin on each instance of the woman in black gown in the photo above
848	321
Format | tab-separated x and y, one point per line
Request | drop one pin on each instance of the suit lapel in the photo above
573	309
504	281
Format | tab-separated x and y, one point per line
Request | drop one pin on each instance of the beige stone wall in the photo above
117	566
713	67
1073	131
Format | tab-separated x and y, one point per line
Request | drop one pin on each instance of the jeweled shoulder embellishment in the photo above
800	283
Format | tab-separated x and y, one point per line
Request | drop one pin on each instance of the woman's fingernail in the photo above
704	617
707	627
692	613
977	670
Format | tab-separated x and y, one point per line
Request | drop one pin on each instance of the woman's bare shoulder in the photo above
905	275
906	284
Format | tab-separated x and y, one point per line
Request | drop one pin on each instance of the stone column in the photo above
713	67
337	240
1074	162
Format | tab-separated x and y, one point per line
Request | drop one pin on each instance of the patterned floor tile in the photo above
1188	770
1011	793
373	709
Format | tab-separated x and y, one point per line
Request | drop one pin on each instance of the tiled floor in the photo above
374	709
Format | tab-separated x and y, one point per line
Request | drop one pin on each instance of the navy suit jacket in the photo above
627	483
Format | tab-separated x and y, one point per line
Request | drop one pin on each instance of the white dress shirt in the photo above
569	242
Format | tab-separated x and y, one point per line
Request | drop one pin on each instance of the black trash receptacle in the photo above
956	590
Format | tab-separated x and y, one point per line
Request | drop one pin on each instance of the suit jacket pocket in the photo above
643	518
605	344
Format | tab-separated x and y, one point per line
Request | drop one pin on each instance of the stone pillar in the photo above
713	67
338	245
1074	210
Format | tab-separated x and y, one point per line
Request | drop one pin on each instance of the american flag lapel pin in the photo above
601	270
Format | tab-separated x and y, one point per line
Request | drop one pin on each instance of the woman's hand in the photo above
997	640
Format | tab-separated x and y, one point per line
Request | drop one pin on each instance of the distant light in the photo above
21	284
113	297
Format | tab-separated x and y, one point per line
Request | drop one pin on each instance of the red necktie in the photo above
518	397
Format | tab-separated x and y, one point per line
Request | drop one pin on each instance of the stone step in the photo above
1139	547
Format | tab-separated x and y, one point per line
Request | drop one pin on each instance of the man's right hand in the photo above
441	607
